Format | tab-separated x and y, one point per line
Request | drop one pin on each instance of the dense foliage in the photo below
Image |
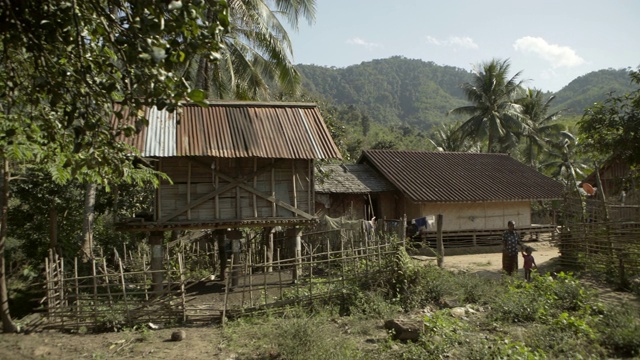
613	126
64	65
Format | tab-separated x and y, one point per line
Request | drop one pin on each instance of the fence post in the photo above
439	242
402	229
155	240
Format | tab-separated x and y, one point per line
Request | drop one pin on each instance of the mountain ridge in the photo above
402	91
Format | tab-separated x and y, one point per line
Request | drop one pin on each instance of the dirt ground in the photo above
208	341
490	264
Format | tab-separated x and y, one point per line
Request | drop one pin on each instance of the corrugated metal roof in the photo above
351	179
236	129
461	177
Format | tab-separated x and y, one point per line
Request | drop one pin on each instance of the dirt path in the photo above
490	264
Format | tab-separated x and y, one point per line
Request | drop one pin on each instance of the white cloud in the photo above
368	45
453	41
558	56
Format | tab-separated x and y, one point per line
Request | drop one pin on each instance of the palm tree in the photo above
257	51
540	126
446	138
560	160
494	114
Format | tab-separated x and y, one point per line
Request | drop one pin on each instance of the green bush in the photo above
495	348
619	331
475	289
543	299
562	341
308	338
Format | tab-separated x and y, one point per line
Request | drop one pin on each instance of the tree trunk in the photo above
8	325
87	224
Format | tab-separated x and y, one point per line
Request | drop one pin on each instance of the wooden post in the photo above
268	240
226	296
106	280
222	252
297	248
155	240
95	290
182	289
75	275
439	242
402	229
124	292
236	266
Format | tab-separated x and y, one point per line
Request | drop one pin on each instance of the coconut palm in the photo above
446	138
495	115
560	160
540	124
257	51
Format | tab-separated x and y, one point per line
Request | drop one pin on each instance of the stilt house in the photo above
233	164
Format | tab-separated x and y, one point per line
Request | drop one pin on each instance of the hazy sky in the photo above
551	41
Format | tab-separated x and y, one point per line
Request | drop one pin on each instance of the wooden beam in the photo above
273	187
189	188
233	183
278	202
272	199
216	183
255	185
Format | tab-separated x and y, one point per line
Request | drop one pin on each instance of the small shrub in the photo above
543	299
372	304
488	348
619	331
520	304
563	341
310	339
475	289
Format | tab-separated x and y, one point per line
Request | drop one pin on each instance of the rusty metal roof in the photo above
461	177
351	179
236	129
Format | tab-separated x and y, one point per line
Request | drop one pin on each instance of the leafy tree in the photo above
540	124
65	64
495	115
612	127
257	50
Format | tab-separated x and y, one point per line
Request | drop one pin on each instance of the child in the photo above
529	262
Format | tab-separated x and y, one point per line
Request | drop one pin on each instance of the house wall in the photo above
357	206
389	206
194	178
476	216
338	205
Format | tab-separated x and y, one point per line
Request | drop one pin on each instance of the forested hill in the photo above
401	91
593	87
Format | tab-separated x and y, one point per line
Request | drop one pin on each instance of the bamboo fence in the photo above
116	291
601	237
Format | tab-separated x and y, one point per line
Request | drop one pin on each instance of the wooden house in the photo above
619	186
474	192
351	190
615	177
233	164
